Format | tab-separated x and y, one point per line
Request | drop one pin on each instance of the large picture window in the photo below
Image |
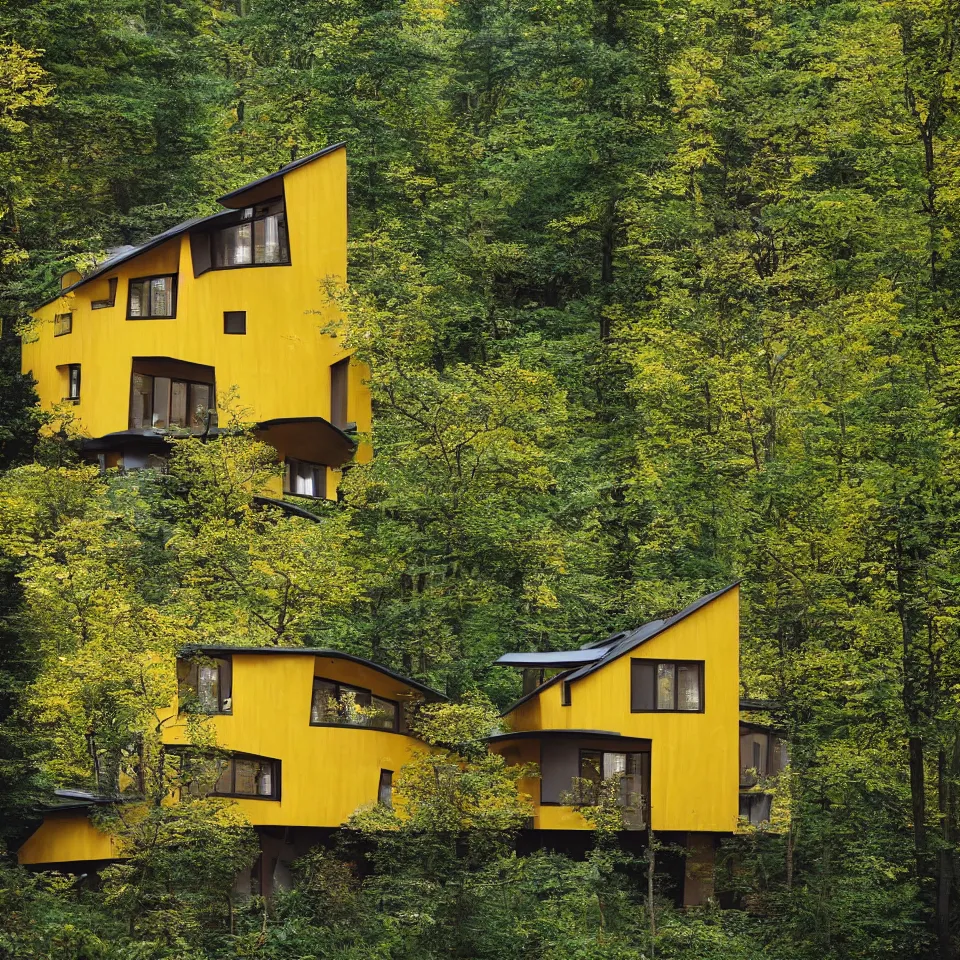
665	686
166	403
260	238
343	705
205	685
152	298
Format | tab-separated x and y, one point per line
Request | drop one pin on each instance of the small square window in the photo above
62	324
234	321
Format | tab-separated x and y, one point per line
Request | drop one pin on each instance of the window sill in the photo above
73	400
174	317
654	712
357	726
205	713
250	266
244	796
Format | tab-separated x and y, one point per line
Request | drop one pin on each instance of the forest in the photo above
656	295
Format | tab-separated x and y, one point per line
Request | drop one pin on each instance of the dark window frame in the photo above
275	780
566	693
322	467
58	324
638	753
386	780
229	315
71	396
194	664
153	399
701	664
353	726
240	221
173	297
340	393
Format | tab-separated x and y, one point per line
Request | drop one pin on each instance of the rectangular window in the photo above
62	324
339	383
305	479
205	685
385	789
152	298
674	686
165	404
261	238
111	297
344	705
565	694
253	777
235	321
632	768
73	381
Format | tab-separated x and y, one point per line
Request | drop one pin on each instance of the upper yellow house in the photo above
143	344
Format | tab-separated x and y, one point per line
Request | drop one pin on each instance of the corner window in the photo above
385	789
339	384
152	298
305	479
73	381
342	705
246	776
666	686
235	321
111	297
205	685
260	238
62	324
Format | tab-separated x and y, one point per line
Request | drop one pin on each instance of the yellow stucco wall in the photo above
326	772
65	837
281	367
694	757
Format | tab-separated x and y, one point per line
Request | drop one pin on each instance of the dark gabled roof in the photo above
311	652
286	168
126	254
628	641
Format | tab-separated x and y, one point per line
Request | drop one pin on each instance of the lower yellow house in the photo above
304	737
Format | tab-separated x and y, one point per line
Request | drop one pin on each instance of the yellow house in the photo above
142	345
303	738
658	707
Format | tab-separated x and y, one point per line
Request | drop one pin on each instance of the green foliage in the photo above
654	295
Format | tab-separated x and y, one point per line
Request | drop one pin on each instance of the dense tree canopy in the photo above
655	294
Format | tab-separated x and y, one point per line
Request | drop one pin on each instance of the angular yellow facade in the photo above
657	706
141	346
330	730
298	738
